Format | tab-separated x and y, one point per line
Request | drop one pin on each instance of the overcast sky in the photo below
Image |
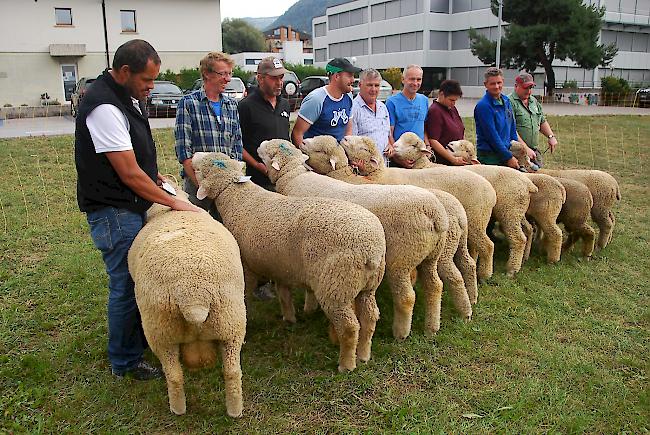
256	8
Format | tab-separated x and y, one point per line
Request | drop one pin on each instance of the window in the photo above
460	40
395	43
63	16
349	18
320	29
320	54
480	4
440	6
333	21
438	40
461	6
640	42
276	32
378	12
252	61
128	21
379	45
624	41
308	61
392	9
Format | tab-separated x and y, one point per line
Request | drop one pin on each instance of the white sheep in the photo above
414	221
575	215
189	287
512	194
326	157
604	190
334	248
475	194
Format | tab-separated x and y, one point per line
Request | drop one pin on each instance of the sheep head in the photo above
325	154
409	146
464	149
518	150
215	172
278	153
362	154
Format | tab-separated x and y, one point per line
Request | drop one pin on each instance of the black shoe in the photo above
142	371
265	292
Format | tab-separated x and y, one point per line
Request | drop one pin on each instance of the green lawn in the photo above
560	348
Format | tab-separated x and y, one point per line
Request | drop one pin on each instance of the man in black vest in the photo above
117	182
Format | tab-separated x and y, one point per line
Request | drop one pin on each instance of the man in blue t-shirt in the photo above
328	110
408	111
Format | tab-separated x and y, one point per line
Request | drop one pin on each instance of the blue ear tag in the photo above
219	164
285	149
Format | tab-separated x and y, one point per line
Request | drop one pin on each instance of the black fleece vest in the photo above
98	185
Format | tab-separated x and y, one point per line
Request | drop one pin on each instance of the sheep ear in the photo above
242	165
242	179
333	163
201	193
275	165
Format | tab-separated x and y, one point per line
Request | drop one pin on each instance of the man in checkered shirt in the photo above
207	120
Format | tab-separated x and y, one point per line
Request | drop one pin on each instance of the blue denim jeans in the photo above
113	231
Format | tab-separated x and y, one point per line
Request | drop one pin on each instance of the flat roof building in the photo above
435	35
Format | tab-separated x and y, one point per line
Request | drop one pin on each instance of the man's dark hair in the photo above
451	87
135	53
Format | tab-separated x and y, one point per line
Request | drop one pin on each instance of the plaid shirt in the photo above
197	127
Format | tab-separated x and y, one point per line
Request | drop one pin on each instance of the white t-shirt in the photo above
109	128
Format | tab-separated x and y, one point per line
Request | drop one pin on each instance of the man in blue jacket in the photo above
495	123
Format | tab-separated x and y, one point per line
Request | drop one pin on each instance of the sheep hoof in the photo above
468	319
511	274
343	369
237	412
178	408
291	319
431	332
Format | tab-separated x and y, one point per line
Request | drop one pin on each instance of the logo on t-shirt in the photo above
339	114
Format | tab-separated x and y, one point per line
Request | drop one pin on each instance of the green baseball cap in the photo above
339	64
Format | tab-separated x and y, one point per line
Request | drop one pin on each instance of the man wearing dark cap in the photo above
263	115
530	117
328	110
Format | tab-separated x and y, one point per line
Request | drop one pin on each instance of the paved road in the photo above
65	124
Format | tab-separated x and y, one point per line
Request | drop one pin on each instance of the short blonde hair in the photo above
207	63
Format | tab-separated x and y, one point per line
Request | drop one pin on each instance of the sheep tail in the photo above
195	314
618	192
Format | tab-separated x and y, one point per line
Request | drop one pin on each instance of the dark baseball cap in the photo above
525	80
339	64
271	66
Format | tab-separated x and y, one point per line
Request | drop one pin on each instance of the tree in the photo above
541	31
239	36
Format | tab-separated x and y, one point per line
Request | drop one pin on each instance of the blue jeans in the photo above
113	231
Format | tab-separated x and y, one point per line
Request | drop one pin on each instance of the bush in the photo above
615	85
184	79
303	71
241	73
393	76
7	105
570	84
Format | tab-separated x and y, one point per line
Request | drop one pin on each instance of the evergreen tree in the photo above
541	31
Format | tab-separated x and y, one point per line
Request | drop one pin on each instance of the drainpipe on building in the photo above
108	65
498	54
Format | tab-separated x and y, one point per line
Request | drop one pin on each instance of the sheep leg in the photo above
451	276
582	231
512	228
432	286
403	301
529	232
605	220
367	314
311	304
250	283
347	327
230	355
482	251
286	303
467	266
552	241
169	359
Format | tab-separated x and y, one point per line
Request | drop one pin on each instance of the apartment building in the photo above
46	46
276	36
435	34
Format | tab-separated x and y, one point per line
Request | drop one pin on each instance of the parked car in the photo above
312	82
290	84
385	90
643	97
163	99
234	89
79	91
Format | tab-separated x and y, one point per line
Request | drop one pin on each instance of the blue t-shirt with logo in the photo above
407	115
326	115
216	108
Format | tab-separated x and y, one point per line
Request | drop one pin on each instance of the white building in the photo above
290	51
47	45
435	35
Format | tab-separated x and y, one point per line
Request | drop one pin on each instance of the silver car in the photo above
385	89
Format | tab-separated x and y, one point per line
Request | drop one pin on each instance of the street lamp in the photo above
498	54
108	65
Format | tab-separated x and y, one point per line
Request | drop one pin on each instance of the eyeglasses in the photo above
222	73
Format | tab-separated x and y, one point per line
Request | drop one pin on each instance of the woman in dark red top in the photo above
444	125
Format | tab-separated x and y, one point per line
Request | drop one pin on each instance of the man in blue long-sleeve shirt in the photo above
495	123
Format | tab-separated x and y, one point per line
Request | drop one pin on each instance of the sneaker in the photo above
142	371
265	292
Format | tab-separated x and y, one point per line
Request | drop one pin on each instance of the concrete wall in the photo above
28	28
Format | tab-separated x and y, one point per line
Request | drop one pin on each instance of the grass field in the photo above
562	348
